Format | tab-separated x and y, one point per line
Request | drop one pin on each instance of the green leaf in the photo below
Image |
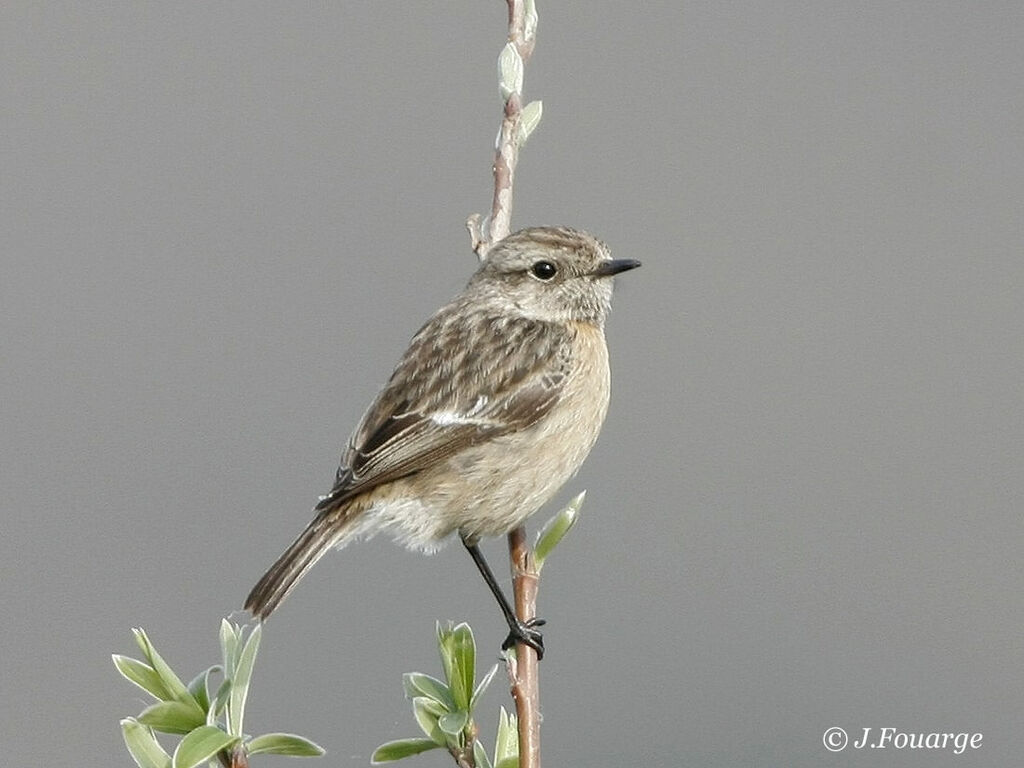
555	528
396	750
506	750
240	681
510	71
175	688
199	687
530	19
219	702
462	649
201	745
529	119
418	684
482	687
452	723
283	744
171	717
480	753
142	675
228	646
427	712
143	746
444	646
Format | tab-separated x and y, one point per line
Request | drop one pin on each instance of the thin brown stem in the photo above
463	757
523	668
484	232
505	160
524	673
233	758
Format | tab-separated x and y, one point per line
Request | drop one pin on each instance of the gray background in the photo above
222	222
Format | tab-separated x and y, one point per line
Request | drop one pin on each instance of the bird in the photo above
495	404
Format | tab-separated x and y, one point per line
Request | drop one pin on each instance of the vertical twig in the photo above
523	667
522	27
524	673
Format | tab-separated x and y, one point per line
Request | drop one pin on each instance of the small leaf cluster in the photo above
211	726
444	709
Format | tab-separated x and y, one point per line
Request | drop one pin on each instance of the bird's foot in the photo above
526	632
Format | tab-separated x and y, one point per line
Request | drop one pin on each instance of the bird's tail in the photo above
327	529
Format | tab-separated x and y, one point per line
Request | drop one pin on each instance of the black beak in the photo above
614	266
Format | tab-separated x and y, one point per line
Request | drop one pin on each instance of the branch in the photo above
516	125
523	669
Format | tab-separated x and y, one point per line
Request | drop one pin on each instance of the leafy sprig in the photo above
211	727
444	709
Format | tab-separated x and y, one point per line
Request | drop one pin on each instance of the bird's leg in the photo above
519	631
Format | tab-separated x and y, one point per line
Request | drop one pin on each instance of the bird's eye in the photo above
544	270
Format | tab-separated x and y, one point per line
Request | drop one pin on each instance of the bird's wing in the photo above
459	384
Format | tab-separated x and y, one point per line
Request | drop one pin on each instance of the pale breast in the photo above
508	479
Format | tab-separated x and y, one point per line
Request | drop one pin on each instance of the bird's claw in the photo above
526	632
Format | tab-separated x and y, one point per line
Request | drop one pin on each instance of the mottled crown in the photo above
553	274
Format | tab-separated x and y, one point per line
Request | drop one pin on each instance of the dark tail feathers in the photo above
319	536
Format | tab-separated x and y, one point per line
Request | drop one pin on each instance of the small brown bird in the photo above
495	404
